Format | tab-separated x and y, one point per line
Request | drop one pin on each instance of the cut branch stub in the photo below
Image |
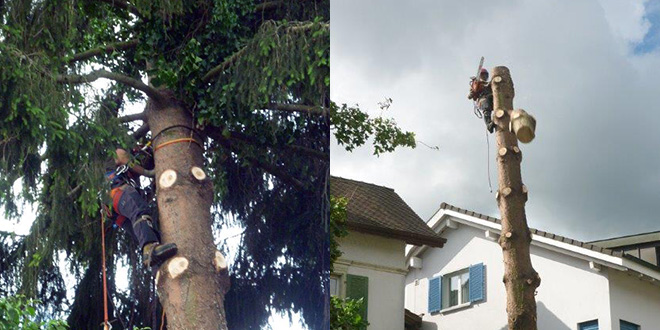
177	266
500	113
497	79
219	262
506	191
167	179
502	151
198	173
524	189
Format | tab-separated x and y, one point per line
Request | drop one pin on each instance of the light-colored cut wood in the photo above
167	179
198	173
177	266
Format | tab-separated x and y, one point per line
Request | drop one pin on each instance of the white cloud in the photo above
596	105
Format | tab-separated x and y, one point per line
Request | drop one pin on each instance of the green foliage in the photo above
352	128
337	227
55	137
345	314
17	312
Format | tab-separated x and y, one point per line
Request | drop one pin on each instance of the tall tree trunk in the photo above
189	285
520	278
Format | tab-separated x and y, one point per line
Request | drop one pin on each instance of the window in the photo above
625	325
456	290
589	325
334	285
462	287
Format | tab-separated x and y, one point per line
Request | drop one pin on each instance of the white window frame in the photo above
339	273
446	288
338	278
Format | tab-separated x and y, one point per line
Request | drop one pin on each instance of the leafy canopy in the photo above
255	78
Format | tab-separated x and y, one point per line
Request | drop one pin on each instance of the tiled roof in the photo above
555	237
379	210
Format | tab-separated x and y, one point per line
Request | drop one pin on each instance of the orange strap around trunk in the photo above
177	141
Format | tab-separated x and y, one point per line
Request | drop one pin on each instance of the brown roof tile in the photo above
536	231
379	210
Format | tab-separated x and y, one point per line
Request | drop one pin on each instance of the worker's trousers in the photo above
138	221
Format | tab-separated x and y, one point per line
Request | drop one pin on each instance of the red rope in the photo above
106	325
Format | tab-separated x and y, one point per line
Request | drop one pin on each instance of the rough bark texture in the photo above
194	298
520	278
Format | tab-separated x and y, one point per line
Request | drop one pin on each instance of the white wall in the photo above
570	292
382	260
634	300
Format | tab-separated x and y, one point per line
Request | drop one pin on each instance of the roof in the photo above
555	237
447	214
380	211
628	240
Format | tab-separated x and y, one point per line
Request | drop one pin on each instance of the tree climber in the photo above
482	94
132	211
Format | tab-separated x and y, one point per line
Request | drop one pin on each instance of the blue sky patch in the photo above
651	40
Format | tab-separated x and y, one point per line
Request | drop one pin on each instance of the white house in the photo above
373	264
608	284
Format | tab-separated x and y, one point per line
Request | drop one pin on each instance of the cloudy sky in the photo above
589	71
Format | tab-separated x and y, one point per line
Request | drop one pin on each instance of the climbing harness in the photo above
106	324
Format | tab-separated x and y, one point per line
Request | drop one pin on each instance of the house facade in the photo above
373	263
597	285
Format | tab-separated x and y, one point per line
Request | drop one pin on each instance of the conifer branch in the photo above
103	49
141	132
74	190
124	5
231	59
126	80
268	5
289	107
216	134
268	168
132	117
223	66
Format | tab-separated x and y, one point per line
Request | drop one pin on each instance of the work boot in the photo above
491	126
154	254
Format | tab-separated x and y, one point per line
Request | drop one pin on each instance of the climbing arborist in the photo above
482	94
131	211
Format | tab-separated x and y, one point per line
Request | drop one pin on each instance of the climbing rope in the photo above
106	324
490	186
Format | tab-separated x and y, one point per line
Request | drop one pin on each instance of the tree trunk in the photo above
520	278
189	285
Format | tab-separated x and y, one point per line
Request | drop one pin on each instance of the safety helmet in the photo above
483	72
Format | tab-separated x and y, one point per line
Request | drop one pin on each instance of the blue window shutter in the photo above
591	325
435	295
477	282
628	326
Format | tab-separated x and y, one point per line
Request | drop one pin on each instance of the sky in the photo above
589	71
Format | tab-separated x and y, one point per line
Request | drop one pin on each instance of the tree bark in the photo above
189	285
520	278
